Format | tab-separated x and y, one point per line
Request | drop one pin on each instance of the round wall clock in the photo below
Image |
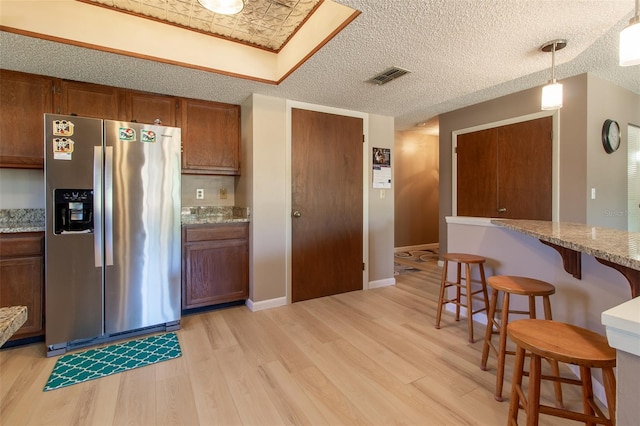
610	136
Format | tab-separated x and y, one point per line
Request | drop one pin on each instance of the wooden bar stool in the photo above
564	343
512	285
467	260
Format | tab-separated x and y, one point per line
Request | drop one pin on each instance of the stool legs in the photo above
501	352
458	297
443	287
516	387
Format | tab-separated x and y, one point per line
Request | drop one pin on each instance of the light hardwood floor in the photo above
367	357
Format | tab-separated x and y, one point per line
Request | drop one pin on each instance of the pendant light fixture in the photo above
223	7
552	92
630	41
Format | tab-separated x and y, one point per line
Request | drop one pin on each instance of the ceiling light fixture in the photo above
223	7
630	41
552	92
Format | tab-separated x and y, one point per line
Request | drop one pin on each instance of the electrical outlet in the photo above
223	193
199	194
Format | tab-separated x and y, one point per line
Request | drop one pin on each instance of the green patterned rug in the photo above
95	363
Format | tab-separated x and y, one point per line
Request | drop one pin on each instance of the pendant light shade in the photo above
630	41
223	7
552	96
552	92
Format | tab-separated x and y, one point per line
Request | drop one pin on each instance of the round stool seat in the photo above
521	285
563	342
511	285
464	258
463	290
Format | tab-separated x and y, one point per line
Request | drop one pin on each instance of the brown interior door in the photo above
525	169
506	171
477	174
326	201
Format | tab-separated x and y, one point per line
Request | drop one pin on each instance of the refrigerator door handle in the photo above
108	205
97	205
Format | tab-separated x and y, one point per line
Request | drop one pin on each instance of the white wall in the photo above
21	189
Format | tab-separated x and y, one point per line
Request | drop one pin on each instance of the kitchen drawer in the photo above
217	232
21	244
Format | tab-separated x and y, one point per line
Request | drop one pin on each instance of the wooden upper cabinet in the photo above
89	100
24	98
210	137
142	107
506	171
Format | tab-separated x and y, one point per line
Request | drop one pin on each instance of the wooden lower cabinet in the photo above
215	266
22	278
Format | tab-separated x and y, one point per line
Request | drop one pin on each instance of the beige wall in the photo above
381	212
416	177
263	188
572	137
607	172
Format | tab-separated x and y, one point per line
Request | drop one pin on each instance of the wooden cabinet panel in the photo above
210	137
506	171
215	270
142	107
89	100
210	130
24	98
22	279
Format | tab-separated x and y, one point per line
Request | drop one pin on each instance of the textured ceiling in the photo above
263	23
459	53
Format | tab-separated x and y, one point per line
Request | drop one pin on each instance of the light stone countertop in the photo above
616	246
32	220
21	220
11	319
213	215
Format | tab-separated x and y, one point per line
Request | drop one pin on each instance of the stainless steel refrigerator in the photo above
112	246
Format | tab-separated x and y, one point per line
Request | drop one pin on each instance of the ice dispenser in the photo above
73	211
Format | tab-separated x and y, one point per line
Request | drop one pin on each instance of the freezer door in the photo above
73	275
142	226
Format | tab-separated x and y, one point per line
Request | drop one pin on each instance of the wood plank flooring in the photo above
366	357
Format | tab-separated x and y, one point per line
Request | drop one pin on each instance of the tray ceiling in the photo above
267	24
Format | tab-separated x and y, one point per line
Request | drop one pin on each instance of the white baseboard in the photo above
265	304
382	283
418	247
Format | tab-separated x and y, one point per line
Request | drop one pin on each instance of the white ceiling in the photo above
459	52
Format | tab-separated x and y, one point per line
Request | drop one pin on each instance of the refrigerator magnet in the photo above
62	148
147	135
127	134
62	128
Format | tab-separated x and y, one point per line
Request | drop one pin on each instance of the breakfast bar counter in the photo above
614	248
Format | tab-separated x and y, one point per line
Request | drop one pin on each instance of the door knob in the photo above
296	213
502	210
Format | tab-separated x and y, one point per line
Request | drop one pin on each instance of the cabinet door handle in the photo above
502	210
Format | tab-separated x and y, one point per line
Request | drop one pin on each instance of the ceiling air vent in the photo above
388	75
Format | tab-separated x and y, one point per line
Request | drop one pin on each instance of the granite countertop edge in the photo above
617	246
13	221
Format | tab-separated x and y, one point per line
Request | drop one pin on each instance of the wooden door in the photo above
24	98
89	100
477	173
506	171
326	178
141	107
525	170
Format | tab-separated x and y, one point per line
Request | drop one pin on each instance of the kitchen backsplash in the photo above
211	186
24	189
